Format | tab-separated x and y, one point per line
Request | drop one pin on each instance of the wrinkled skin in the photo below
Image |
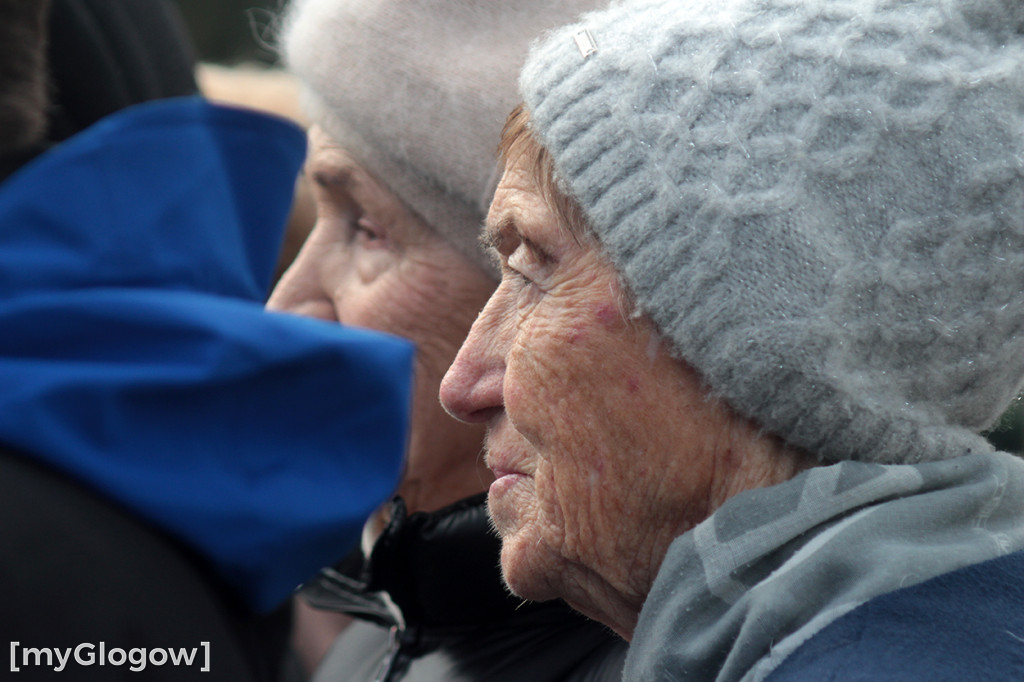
604	446
371	262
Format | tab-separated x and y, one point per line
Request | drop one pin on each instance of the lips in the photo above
503	484
509	459
507	471
505	449
503	471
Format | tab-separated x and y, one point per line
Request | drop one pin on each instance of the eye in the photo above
517	276
368	233
320	179
528	262
525	276
518	263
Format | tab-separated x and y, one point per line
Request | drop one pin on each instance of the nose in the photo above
471	390
301	289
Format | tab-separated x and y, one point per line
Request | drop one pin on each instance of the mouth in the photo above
501	471
504	480
506	473
505	458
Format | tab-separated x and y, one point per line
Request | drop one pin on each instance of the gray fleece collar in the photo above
773	566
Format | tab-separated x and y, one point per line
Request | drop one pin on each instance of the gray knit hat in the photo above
418	90
820	203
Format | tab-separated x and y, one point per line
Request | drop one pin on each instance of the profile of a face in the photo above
372	262
602	443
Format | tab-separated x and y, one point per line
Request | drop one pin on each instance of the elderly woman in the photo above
762	265
408	99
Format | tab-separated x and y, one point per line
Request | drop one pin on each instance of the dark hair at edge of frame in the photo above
23	78
518	142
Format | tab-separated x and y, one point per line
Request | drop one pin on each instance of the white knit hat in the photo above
418	90
820	203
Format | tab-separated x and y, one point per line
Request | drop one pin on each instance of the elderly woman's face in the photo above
596	435
370	262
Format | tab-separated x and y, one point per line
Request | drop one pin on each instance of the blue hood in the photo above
135	354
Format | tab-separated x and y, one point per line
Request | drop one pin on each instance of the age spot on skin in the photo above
608	314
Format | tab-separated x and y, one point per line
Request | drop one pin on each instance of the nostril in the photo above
483	416
468	396
453	395
465	411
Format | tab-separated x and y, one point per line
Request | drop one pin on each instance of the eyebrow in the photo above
494	237
493	234
330	175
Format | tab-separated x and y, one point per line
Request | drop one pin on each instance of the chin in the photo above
527	570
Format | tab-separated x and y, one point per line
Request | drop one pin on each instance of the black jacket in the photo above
451	618
80	570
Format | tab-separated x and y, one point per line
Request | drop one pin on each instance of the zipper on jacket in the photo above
388	664
403	645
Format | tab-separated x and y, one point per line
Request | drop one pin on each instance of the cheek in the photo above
544	367
434	309
373	306
440	309
571	373
371	264
559	395
583	389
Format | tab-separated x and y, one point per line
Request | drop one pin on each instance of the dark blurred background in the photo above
234	43
232	31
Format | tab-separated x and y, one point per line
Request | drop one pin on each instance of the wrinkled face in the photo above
599	440
371	262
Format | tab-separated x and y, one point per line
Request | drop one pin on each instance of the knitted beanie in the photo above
418	90
820	203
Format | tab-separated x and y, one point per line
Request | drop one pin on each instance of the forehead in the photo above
341	176
343	185
519	205
325	152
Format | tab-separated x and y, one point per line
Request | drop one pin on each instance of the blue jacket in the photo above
963	625
136	357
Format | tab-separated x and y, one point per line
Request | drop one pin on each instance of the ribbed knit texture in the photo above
418	90
820	203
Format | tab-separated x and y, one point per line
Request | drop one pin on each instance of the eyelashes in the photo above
521	279
529	262
368	233
524	274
